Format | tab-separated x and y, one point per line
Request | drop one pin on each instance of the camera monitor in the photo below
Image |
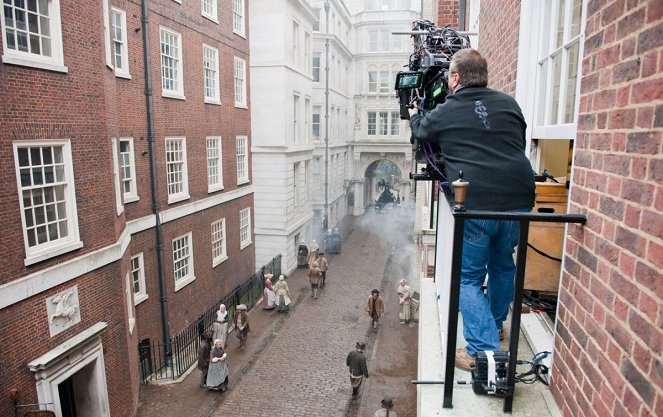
408	80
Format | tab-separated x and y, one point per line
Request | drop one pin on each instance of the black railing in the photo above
154	365
459	216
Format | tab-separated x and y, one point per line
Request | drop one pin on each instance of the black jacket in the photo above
482	133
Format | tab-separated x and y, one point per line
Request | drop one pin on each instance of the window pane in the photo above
560	24
557	74
571	83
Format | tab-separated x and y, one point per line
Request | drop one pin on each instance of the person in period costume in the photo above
323	265
220	325
242	325
268	296
403	292
204	349
313	254
356	363
385	410
314	277
375	307
302	255
217	376
282	295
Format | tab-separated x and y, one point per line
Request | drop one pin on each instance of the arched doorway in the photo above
382	178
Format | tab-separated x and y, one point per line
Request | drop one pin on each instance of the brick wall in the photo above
447	13
610	318
499	42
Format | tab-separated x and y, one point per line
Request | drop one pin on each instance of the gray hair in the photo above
471	67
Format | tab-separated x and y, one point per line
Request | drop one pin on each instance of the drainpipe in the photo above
153	180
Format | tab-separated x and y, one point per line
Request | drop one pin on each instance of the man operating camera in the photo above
481	132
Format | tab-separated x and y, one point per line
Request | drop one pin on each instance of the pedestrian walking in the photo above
282	295
268	296
403	292
204	349
217	377
242	325
220	325
356	363
302	255
385	410
314	276
375	307
313	254
481	132
323	265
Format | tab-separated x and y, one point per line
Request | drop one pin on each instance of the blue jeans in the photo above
488	247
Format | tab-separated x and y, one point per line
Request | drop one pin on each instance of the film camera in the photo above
425	83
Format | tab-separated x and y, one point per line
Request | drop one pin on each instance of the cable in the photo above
540	252
538	371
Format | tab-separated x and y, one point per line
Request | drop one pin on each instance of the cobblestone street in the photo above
294	364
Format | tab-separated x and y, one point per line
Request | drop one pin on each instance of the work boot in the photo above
463	360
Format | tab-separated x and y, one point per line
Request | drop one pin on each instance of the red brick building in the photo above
98	169
589	77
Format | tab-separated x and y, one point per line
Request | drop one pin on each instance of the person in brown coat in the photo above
242	325
323	265
375	307
314	276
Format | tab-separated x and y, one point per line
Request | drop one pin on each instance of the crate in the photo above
542	274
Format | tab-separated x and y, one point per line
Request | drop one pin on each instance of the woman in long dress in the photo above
220	325
217	374
282	295
268	296
404	301
313	253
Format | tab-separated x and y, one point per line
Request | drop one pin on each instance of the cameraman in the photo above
481	132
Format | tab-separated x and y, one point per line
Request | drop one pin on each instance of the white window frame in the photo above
212	10
242	158
383	123
245	228
137	266
55	62
119	205
128	171
214	163
107	36
295	176
372	122
295	44
128	292
307	120
123	70
395	124
211	65
373	84
175	54
373	41
315	69
239	66
295	118
183	193
239	12
183	253
317	111
40	252
219	242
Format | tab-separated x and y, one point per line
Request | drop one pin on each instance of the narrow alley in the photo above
294	364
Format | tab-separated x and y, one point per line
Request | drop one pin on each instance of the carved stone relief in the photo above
63	310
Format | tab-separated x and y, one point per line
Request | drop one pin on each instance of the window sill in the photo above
243	181
214	101
124	75
34	64
132	324
131	199
240	34
210	18
214	189
33	259
241	106
176	96
177	198
139	298
219	260
245	244
184	282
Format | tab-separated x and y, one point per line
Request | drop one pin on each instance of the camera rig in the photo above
425	83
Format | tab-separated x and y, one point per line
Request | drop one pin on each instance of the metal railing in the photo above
154	365
449	242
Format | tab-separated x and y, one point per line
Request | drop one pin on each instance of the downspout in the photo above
462	6
153	180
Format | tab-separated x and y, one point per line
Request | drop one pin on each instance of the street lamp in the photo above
325	221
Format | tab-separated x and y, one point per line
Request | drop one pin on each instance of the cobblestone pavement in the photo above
294	364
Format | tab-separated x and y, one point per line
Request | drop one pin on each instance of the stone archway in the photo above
380	176
392	167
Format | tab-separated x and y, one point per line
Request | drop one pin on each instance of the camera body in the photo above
426	82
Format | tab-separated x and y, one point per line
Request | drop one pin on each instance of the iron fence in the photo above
154	365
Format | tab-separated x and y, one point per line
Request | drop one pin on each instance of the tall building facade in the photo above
128	200
326	127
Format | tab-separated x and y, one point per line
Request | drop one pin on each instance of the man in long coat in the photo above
356	362
375	307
